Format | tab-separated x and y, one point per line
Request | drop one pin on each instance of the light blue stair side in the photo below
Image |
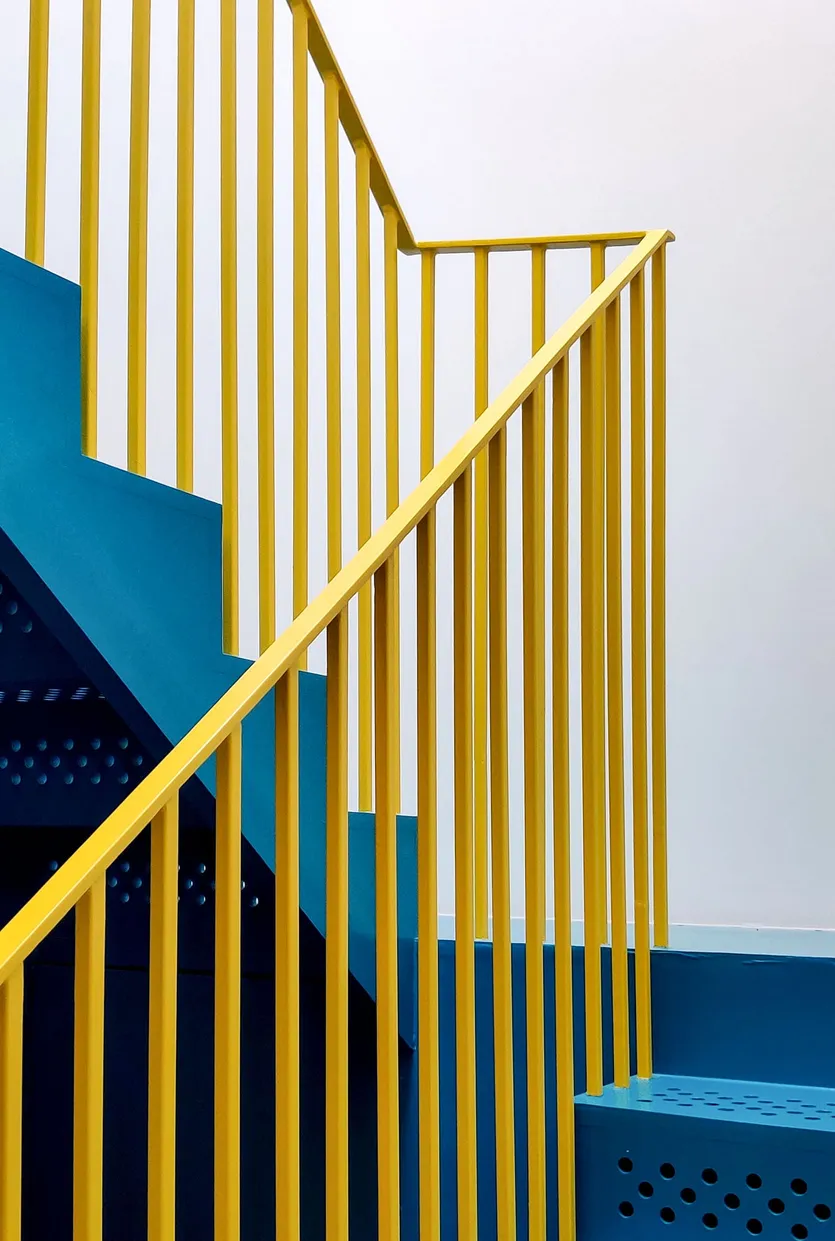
135	569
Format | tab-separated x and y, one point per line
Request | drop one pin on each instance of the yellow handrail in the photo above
46	908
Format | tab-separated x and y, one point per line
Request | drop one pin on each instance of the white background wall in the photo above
714	119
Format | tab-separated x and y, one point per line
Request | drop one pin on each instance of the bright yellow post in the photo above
300	307
162	1025
562	807
427	361
88	260
387	740
465	1087
228	990
640	817
427	879
500	840
533	638
36	130
614	681
88	1067
480	802
597	606
364	639
591	890
336	935
185	246
229	318
333	360
287	1112
658	599
266	325
11	1114
140	82
391	223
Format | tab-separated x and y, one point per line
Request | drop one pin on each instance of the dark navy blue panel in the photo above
703	1155
733	1015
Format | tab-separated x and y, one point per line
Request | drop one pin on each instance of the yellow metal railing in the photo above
80	883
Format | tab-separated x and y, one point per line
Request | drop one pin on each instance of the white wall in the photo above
498	119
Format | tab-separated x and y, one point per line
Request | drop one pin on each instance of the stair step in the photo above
701	1154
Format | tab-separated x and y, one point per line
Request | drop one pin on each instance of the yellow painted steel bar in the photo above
140	84
533	636
88	1066
336	935
387	741
568	241
500	841
392	382
88	259
364	638
185	246
427	879
427	362
36	130
480	775
333	362
227	1167
638	552
591	890
229	319
562	807
301	279
23	932
614	682
162	1025
265	226
596	601
465	1086
287	1009
11	1113
658	598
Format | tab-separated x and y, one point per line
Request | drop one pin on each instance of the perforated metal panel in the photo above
697	1155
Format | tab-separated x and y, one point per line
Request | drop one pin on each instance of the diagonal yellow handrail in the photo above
41	914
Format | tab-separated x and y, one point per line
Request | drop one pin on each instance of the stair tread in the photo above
809	1108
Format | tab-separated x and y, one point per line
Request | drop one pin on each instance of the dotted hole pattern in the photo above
681	1201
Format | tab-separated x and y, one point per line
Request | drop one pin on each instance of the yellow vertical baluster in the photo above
11	1104
658	600
140	82
228	990
598	647
614	644
392	372
562	807
591	890
465	1085
229	318
364	638
287	1194
637	370
332	328
427	361
162	1025
300	307
266	326
88	262
336	936
480	804
88	1071
36	130
500	840
387	740
185	246
533	635
427	848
